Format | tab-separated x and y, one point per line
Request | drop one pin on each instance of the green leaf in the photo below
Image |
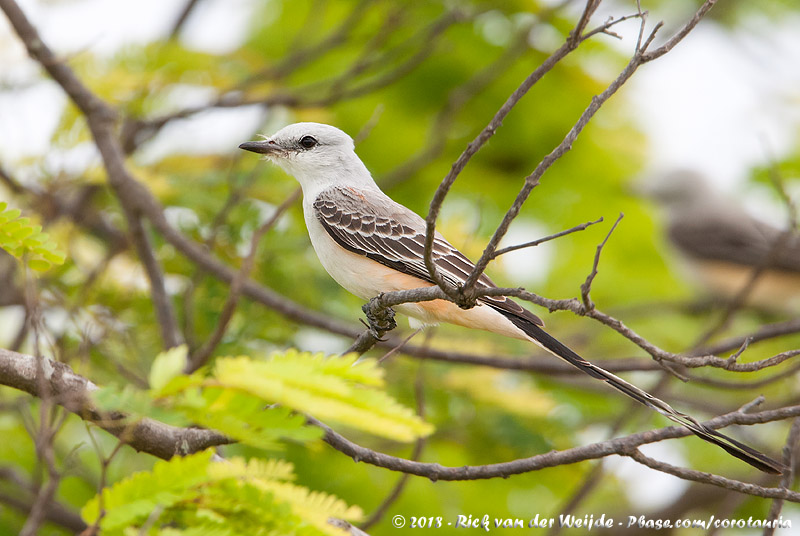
134	498
39	265
19	237
193	495
166	366
244	417
331	388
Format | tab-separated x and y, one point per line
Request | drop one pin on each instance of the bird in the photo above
371	244
721	246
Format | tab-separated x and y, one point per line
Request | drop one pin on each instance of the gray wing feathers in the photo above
737	239
368	223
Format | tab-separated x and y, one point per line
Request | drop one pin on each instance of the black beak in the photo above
260	147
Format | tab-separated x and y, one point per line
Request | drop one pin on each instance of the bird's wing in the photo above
368	223
741	240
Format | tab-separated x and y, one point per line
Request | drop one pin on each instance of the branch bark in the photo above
102	120
620	446
72	391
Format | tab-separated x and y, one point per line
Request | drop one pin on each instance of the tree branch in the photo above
101	119
480	140
790	460
72	391
533	243
620	446
715	480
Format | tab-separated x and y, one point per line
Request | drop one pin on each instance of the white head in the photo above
317	155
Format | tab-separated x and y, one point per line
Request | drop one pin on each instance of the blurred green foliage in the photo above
396	81
18	236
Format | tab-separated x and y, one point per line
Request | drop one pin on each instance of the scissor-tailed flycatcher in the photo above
369	244
722	245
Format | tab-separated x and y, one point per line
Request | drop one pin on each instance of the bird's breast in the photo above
356	273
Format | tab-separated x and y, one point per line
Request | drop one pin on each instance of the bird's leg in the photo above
380	318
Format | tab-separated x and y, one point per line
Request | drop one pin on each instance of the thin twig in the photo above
533	243
397	348
71	391
715	480
640	57
790	460
302	56
586	287
480	140
182	18
595	475
457	100
162	303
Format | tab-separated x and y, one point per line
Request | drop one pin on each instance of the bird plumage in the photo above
721	245
370	244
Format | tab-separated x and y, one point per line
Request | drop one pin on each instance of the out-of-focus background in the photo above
413	83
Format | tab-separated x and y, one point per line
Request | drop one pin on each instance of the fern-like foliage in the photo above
260	402
333	388
195	495
19	237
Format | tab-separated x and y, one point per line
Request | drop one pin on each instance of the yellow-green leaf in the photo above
166	366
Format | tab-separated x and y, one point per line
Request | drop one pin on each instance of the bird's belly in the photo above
774	290
356	273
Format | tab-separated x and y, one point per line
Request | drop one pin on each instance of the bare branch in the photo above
101	118
480	140
531	181
679	35
765	332
595	475
167	322
55	512
435	143
581	227
790	460
301	56
72	392
394	494
586	287
621	446
182	18
715	480
137	131
10	182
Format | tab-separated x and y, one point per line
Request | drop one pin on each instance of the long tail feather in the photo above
733	447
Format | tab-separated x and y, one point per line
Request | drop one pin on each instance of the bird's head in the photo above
317	155
676	189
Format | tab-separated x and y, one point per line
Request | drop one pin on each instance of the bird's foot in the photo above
380	318
464	298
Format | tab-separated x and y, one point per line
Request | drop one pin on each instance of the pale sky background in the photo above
721	102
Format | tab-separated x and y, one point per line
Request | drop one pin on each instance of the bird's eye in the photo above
307	142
